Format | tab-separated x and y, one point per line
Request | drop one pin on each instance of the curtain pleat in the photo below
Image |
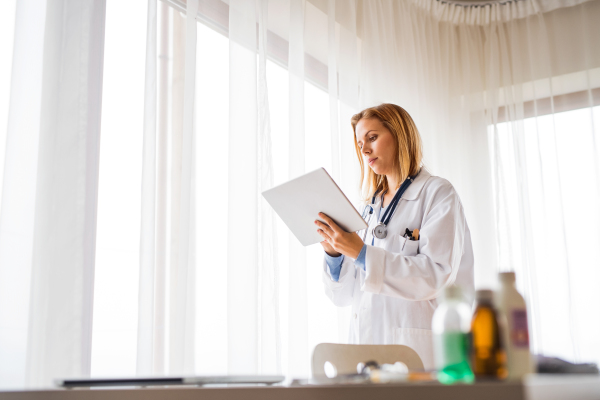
48	225
349	70
297	277
269	331
167	291
19	185
162	189
147	281
183	308
62	285
242	215
333	53
332	87
176	149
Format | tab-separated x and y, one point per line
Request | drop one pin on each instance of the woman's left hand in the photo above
347	243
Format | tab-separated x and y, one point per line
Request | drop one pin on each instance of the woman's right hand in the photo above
329	249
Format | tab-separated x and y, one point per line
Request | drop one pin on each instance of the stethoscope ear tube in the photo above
368	221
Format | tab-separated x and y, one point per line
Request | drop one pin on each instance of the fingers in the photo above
330	231
330	222
324	227
324	235
327	247
342	242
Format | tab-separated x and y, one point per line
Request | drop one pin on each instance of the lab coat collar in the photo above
413	191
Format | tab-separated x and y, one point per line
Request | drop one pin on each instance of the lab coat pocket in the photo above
409	248
420	340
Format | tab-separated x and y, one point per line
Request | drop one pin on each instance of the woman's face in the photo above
377	145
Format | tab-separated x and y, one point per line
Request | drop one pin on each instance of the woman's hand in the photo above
329	249
336	240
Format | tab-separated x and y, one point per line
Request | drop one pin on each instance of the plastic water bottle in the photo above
451	324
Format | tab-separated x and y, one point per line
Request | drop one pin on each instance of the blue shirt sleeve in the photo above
361	259
335	265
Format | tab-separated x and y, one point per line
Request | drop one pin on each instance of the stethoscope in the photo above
380	230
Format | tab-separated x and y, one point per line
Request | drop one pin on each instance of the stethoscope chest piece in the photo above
380	231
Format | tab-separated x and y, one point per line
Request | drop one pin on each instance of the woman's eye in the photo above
372	138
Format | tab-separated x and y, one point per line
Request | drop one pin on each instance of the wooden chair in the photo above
345	357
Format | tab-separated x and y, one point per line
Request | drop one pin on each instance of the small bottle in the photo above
488	356
451	324
512	305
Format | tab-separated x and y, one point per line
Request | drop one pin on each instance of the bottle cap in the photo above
507	277
452	292
484	296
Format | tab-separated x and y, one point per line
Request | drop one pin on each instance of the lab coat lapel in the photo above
413	191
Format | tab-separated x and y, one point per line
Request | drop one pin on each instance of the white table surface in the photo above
535	387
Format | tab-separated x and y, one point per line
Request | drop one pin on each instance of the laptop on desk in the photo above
171	380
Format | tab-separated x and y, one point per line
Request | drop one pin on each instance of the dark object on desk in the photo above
553	365
171	380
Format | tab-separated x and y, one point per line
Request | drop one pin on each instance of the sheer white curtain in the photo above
48	217
455	68
243	189
538	66
516	69
505	95
255	288
166	314
7	29
544	135
297	278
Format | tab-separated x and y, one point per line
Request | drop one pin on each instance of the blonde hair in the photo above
409	149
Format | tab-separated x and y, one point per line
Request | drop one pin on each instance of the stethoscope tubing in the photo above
387	215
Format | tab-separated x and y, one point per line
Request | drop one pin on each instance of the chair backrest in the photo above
345	357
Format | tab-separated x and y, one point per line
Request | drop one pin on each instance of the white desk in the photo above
534	388
555	387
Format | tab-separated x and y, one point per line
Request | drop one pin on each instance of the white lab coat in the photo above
394	300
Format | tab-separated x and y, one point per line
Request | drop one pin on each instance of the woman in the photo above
393	277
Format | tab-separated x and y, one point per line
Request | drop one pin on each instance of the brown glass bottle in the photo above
488	355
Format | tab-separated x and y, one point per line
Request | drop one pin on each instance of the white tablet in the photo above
299	202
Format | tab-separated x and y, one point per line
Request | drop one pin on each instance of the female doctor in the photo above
417	242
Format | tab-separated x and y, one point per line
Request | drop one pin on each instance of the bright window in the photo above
119	208
114	337
560	201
